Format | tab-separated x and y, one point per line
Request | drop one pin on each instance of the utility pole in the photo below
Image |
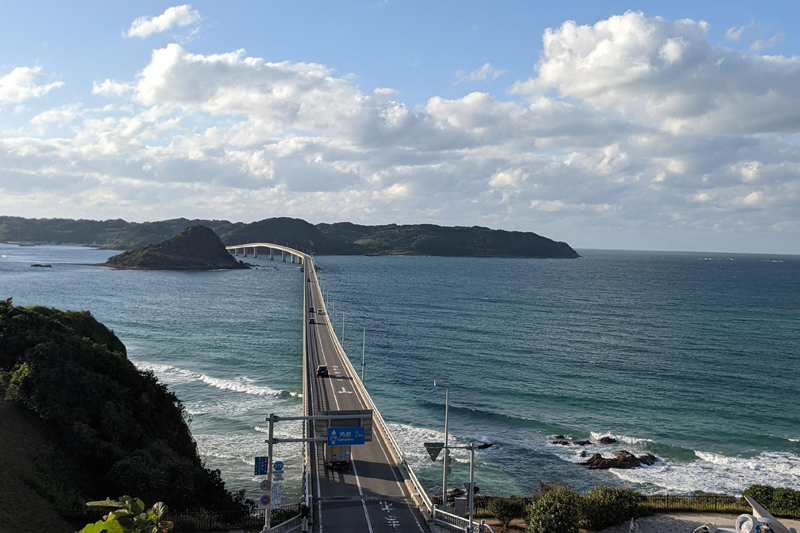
363	352
445	466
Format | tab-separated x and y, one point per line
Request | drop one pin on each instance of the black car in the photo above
312	321
322	371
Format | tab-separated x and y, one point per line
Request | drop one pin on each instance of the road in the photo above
370	496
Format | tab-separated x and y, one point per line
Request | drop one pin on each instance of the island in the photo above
195	248
340	238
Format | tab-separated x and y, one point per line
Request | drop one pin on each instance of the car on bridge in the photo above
320	312
311	309
322	371
312	321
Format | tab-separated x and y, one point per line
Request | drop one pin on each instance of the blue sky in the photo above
642	125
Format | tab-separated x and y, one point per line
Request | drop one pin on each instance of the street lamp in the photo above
444	461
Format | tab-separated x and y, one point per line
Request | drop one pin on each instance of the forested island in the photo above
80	422
342	238
195	248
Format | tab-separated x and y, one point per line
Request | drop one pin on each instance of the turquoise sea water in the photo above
692	357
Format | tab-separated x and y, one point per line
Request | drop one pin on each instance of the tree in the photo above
506	509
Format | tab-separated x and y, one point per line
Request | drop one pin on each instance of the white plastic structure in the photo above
747	523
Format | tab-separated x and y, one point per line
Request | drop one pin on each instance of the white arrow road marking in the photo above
343	391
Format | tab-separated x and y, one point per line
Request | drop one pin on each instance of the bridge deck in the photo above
371	495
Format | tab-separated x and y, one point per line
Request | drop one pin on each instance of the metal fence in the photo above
202	521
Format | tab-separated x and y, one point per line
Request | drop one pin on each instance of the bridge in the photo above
379	492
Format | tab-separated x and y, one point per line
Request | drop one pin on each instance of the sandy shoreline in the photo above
686	523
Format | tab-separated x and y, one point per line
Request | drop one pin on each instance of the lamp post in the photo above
444	462
363	352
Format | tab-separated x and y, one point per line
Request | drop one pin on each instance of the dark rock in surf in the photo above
607	440
622	459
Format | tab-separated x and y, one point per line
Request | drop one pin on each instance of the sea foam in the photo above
174	374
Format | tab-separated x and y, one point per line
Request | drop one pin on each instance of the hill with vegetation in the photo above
81	422
195	248
342	238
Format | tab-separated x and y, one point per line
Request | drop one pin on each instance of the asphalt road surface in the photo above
370	496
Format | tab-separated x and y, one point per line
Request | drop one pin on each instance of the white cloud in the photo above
174	16
667	74
483	73
110	87
734	34
630	125
760	44
20	85
61	115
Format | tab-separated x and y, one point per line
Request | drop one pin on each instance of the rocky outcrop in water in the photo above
622	459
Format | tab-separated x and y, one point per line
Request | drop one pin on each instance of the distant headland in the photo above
342	238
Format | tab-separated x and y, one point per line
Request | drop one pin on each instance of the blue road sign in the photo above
345	436
265	499
278	466
262	465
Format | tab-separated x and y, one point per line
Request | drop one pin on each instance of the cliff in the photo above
195	248
80	422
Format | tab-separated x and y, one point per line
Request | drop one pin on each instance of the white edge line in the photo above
369	524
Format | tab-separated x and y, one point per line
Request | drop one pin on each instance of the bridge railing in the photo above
459	523
292	524
378	420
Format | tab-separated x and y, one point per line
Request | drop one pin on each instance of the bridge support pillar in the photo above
283	256
255	252
271	254
244	252
235	251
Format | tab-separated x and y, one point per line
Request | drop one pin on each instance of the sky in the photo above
605	124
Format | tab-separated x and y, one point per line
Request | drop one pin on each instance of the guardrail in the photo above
394	448
459	522
292	524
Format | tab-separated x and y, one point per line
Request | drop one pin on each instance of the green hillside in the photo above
98	426
341	238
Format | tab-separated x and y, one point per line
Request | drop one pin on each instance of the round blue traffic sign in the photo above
278	466
266	499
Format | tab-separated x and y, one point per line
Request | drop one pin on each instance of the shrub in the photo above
554	511
130	515
785	501
607	506
760	493
506	509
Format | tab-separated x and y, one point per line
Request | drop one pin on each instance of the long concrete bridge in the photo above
379	493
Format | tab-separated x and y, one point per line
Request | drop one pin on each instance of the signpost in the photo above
265	501
261	466
346	436
433	449
266	486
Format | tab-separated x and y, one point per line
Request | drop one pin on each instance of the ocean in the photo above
693	357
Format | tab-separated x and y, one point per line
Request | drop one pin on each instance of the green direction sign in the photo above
433	449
